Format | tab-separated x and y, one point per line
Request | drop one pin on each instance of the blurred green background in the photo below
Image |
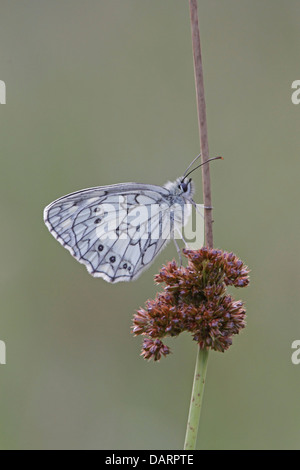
101	92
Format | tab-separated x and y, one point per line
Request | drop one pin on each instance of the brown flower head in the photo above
194	300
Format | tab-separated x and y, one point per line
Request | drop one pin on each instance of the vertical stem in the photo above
202	122
196	400
202	356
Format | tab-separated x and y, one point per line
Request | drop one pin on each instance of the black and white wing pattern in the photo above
117	230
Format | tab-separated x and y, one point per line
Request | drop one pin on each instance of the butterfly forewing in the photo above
117	230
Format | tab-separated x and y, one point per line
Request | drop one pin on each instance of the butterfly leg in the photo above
177	247
197	208
178	251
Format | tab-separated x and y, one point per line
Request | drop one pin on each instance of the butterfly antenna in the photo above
203	163
192	163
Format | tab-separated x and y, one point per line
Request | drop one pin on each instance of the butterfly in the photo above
116	231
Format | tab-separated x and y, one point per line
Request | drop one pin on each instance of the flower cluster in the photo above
194	300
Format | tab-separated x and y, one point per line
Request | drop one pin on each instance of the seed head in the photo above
194	299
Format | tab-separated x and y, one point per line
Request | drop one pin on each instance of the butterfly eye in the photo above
184	187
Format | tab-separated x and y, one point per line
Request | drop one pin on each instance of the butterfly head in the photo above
186	186
182	187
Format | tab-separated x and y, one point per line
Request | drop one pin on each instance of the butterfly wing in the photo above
116	231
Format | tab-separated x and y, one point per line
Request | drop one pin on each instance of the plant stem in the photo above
202	356
202	122
196	400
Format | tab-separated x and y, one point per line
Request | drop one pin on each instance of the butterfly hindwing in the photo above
116	231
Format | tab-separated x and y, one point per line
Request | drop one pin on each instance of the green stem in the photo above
196	400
